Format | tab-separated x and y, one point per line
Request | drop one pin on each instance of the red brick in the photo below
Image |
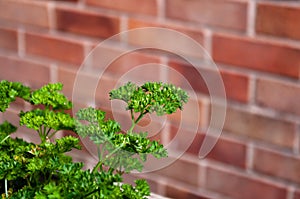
178	171
278	95
148	7
276	164
297	194
226	14
241	186
57	48
184	140
69	0
179	192
25	71
130	65
27	134
8	39
226	151
161	37
260	128
236	85
27	12
130	178
256	54
229	152
282	17
194	114
86	23
67	77
194	33
86	87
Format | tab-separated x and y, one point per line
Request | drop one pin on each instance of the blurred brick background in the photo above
255	45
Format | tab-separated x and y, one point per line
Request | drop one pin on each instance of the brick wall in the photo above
255	45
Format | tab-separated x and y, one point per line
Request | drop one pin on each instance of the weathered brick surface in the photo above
233	13
86	23
148	7
201	80
225	151
178	171
178	192
25	71
55	48
256	54
8	39
27	12
260	128
276	164
255	45
241	186
282	17
278	95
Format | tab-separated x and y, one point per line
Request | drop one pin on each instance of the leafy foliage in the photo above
151	97
9	91
50	96
45	171
118	150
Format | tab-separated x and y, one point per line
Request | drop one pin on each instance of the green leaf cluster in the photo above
44	170
50	96
9	91
118	150
151	97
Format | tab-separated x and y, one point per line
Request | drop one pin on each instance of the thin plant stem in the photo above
4	139
6	188
52	134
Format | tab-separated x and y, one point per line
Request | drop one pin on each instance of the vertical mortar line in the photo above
21	42
249	157
53	73
81	4
290	192
124	27
202	166
299	74
51	16
165	139
252	89
161	189
207	44
297	140
161	10
204	113
163	69
87	57
251	16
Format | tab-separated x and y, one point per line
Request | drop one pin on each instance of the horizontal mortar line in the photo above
227	135
185	186
278	40
254	175
258	73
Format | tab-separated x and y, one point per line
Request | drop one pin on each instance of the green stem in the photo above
6	188
132	115
140	117
134	122
40	132
50	136
48	131
100	163
85	196
4	139
44	132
